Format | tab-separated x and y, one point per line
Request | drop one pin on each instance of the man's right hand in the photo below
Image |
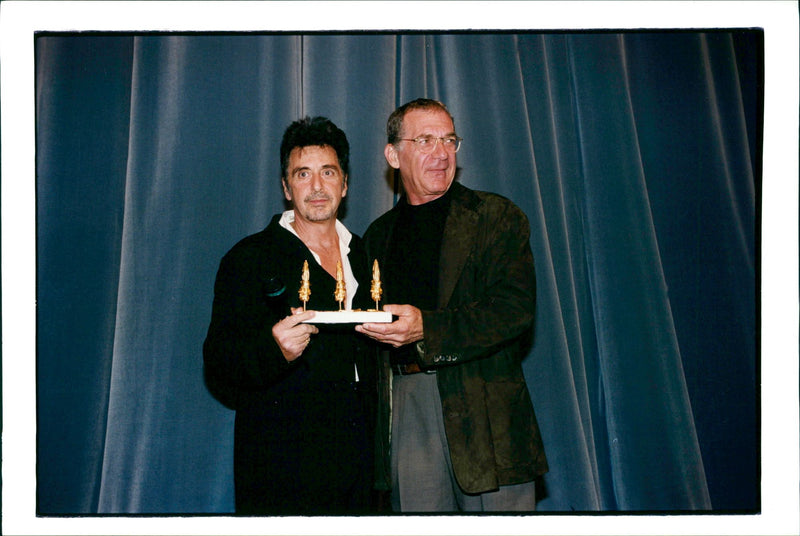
292	335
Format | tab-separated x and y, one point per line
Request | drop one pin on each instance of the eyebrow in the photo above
297	170
429	135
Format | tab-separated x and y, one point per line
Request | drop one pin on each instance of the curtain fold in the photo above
83	120
650	426
634	155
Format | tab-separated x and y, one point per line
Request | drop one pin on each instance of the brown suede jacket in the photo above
475	340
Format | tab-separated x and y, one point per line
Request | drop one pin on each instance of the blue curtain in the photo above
635	155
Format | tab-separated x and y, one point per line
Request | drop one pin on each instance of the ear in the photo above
286	192
390	152
344	186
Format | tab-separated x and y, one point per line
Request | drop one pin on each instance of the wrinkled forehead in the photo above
313	157
431	121
313	152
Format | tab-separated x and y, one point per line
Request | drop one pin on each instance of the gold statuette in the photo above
341	291
343	315
305	285
375	290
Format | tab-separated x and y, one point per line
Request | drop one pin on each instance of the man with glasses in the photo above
458	274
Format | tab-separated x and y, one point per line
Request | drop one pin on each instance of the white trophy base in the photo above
349	317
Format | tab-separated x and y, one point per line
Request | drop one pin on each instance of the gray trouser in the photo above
422	473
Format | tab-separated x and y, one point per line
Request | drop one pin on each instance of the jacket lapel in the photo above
460	229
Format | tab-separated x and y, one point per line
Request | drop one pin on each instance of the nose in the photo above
316	181
438	149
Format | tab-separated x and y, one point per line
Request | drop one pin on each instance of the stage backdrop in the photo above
635	155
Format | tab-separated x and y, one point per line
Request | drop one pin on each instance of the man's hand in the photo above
405	330
291	335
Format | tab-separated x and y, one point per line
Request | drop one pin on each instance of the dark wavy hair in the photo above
316	131
394	126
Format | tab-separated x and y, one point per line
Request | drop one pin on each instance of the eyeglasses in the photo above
427	144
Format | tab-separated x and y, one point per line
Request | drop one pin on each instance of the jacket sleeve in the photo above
493	301
239	353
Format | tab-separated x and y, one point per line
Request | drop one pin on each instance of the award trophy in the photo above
345	316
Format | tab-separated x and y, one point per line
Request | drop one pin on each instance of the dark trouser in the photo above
304	453
422	473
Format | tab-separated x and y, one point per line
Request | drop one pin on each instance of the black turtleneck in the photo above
413	260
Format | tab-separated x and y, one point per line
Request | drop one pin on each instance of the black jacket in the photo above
295	410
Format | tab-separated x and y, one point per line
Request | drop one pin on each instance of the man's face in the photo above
315	184
425	176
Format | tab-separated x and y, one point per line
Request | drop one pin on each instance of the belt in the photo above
406	369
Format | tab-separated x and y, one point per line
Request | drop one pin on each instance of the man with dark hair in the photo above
459	275
303	394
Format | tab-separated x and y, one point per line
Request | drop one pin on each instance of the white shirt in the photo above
351	285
